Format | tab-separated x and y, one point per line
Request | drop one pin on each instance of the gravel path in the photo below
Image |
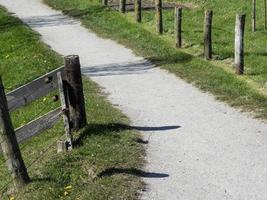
198	148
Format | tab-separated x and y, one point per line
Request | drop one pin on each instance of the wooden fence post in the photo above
138	10
122	6
265	15
208	34
239	43
159	16
105	2
253	15
75	92
10	145
178	27
62	87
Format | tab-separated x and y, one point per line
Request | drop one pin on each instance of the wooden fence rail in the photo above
33	90
38	125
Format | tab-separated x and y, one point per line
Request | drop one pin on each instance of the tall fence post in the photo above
239	43
138	10
178	27
208	34
75	94
265	15
253	15
122	6
105	2
159	16
10	145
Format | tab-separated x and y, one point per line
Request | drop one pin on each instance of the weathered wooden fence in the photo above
207	31
68	81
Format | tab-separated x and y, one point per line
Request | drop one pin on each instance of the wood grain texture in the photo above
9	145
208	34
65	109
75	96
38	125
178	27
33	90
138	10
239	43
159	19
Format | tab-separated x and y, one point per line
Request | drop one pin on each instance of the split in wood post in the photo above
159	21
239	43
73	78
122	6
105	2
178	27
65	111
138	10
253	15
208	34
10	145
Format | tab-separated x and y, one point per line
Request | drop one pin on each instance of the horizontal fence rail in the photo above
38	125
33	90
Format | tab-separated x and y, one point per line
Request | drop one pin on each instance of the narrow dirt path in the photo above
197	148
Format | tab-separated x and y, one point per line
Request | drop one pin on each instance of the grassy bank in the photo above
110	24
223	33
106	161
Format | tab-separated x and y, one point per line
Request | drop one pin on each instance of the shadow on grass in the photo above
83	12
172	58
115	128
7	22
131	171
255	53
44	179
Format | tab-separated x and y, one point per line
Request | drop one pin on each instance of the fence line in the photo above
69	82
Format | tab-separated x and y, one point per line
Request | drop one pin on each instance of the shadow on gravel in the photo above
49	21
138	67
131	171
115	128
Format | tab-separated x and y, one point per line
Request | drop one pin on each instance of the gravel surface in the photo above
198	148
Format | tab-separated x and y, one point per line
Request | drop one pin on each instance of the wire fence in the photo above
44	151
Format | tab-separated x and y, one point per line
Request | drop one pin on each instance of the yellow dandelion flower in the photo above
69	187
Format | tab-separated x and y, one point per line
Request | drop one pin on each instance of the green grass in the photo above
226	86
107	156
223	33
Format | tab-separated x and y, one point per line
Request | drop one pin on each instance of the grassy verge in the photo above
111	24
105	162
223	33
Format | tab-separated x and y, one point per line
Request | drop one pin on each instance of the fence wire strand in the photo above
29	166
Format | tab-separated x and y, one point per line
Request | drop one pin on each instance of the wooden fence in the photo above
68	81
207	31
